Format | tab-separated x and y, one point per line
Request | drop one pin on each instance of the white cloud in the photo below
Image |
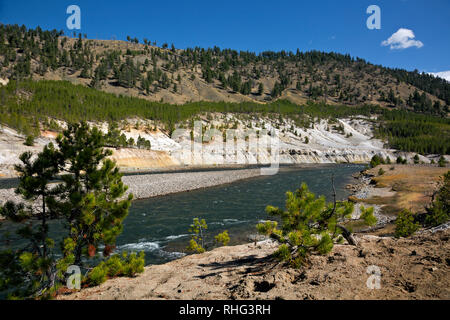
443	74
402	39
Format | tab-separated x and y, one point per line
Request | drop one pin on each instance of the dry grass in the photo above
414	186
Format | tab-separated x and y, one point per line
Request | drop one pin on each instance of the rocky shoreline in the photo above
410	268
151	185
363	189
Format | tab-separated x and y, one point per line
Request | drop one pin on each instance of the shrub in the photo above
400	160
133	264
29	141
375	161
223	238
381	172
367	216
416	159
197	230
442	162
436	215
405	224
98	275
116	266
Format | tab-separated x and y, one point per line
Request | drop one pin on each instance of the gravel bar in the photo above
151	185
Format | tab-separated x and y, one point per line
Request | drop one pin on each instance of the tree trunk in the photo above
348	235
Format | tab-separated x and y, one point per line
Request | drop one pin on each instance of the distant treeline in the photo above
69	102
413	132
26	103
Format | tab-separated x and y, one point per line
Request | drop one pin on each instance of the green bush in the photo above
223	238
197	230
116	266
29	141
367	216
375	161
405	224
98	275
133	264
381	172
437	214
442	162
400	160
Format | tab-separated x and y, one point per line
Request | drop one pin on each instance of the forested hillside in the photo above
166	74
55	77
29	106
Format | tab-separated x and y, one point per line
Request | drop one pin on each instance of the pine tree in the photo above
32	270
197	230
260	88
90	192
310	225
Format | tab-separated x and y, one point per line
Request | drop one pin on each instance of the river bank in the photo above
414	268
391	188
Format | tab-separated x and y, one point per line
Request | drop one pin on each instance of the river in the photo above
159	225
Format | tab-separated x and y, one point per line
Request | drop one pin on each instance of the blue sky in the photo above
326	25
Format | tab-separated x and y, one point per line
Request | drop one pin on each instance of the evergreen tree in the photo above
310	225
405	224
260	88
31	271
90	192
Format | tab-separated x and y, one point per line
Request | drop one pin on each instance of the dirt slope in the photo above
416	268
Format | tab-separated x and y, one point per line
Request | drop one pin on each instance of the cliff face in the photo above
255	141
269	141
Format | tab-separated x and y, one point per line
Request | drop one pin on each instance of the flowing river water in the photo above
159	225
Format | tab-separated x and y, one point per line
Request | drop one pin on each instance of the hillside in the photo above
47	78
177	76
